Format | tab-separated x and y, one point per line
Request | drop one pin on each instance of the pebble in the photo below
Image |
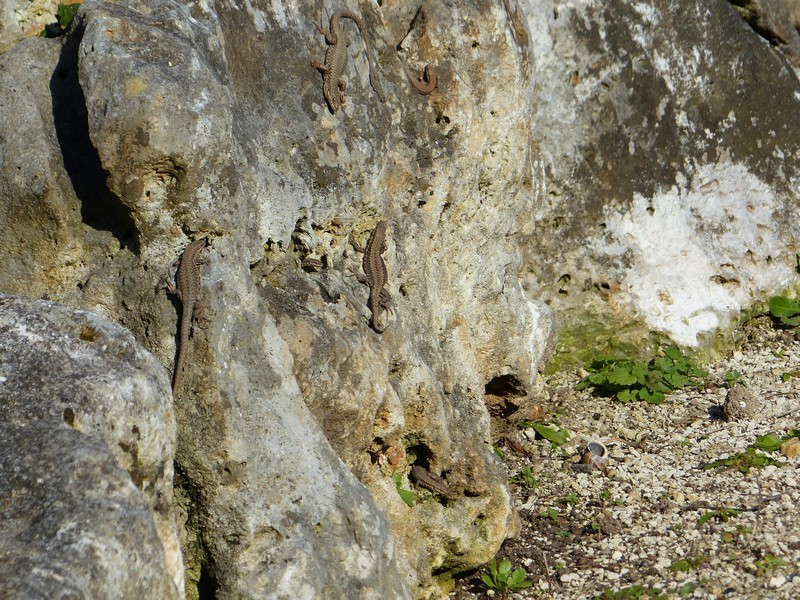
568	577
791	447
777	581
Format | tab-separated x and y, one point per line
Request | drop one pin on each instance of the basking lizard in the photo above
375	273
188	280
336	59
425	84
431	482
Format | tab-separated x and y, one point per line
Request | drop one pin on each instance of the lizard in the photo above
431	482
336	59
375	273
188	287
425	84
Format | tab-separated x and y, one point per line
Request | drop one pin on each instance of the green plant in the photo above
756	455
785	310
687	564
498	451
743	461
502	578
732	377
564	533
630	380
525	477
571	498
720	514
556	436
633	592
550	513
64	15
405	495
787	375
741	530
769	563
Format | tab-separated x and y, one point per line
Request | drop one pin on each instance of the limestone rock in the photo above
157	121
671	145
72	523
63	369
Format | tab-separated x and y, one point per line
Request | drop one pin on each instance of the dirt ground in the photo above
656	521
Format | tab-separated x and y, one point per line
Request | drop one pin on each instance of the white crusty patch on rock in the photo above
695	255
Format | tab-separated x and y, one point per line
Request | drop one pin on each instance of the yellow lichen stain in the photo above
134	86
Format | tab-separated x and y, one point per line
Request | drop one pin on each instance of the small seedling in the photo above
550	513
502	579
630	380
633	592
744	461
525	477
785	310
405	495
769	563
571	498
754	456
564	533
741	530
687	564
498	451
732	377
787	375
721	514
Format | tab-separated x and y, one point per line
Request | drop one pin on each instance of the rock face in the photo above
153	122
671	140
84	415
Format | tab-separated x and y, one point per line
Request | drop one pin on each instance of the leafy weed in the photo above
630	380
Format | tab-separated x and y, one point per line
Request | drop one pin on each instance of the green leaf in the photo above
769	442
505	569
557	437
674	353
405	495
622	376
517	580
785	309
65	13
488	581
683	566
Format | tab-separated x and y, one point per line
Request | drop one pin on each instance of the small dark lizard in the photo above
425	84
375	274
188	287
336	59
431	482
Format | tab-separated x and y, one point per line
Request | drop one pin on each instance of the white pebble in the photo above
777	581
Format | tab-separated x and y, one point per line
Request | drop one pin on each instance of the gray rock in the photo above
65	368
671	144
173	120
72	523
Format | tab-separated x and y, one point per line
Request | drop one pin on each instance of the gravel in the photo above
654	518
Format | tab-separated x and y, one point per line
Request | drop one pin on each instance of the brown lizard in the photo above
375	274
425	84
188	287
336	59
431	482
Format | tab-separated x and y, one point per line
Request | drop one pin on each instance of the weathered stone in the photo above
195	119
62	367
72	523
741	404
671	141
